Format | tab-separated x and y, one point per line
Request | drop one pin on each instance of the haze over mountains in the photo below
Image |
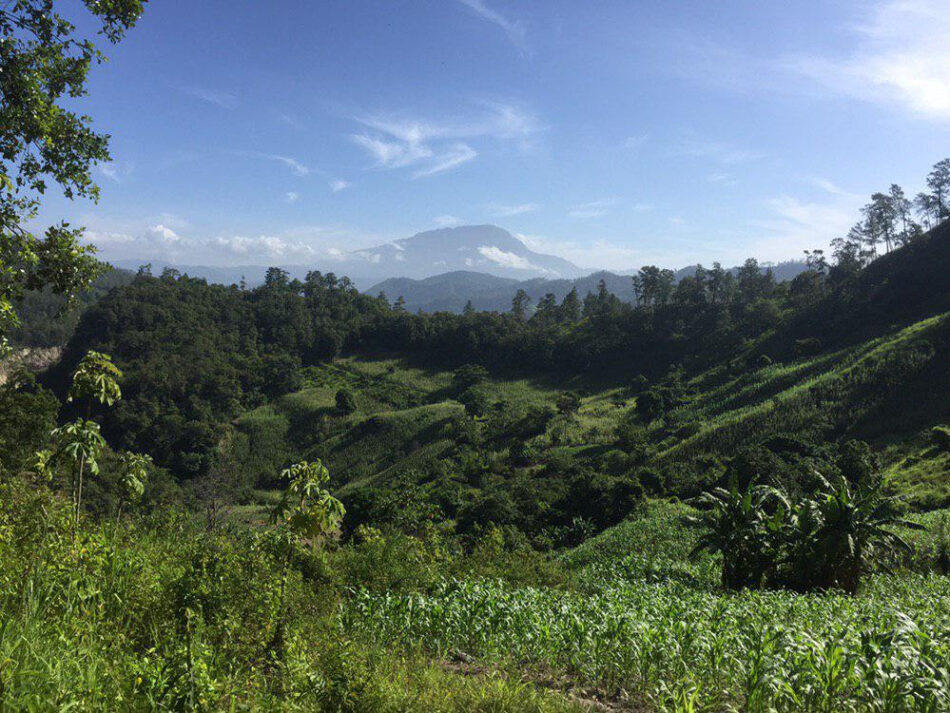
477	248
442	270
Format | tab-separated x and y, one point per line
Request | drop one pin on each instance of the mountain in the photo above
450	291
480	248
483	248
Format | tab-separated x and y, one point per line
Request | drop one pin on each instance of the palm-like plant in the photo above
133	474
737	525
81	443
307	507
96	378
846	526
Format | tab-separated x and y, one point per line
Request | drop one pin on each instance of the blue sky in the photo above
615	134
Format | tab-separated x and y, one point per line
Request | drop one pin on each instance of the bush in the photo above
345	401
941	437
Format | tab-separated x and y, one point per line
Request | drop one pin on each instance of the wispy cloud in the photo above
115	171
632	143
719	151
721	178
792	225
503	258
506	211
832	188
447	221
514	30
455	155
225	100
593	254
901	57
432	147
592	209
338	184
296	167
291	196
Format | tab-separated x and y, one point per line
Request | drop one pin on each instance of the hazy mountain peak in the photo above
479	248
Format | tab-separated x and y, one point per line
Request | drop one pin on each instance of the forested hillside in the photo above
545	421
717	490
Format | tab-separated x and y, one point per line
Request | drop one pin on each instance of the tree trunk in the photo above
82	465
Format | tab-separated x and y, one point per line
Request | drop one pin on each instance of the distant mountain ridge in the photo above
476	248
450	291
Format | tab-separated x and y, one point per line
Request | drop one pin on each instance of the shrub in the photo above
941	437
345	401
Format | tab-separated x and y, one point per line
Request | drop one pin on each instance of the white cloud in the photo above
291	196
443	221
901	57
107	239
677	222
164	234
506	259
338	184
225	100
156	239
593	209
271	246
433	147
514	30
506	211
373	258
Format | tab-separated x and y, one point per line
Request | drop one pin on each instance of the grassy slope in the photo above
404	415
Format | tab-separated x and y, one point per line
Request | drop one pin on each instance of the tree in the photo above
568	403
133	474
570	310
934	206
880	218
468	376
519	304
81	443
345	401
307	508
547	310
475	402
907	229
97	379
42	63
653	286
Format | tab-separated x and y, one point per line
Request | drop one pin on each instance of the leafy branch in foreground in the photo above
42	63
